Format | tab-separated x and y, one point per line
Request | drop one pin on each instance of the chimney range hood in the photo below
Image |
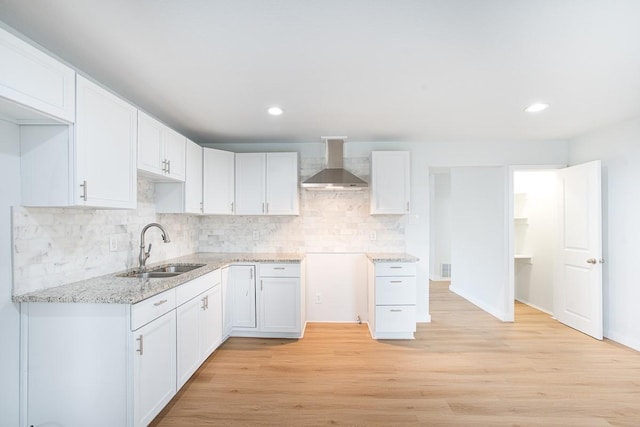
334	176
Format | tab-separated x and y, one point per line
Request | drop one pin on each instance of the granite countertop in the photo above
392	257
111	289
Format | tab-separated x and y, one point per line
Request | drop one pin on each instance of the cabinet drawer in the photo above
395	318
395	269
195	287
279	270
152	308
396	290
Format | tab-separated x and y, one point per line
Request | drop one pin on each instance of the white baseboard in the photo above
491	310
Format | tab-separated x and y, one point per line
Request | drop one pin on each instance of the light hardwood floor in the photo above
464	369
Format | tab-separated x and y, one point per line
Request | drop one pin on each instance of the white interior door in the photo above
578	287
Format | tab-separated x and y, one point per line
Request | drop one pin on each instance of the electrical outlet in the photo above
318	298
256	235
113	243
372	235
414	219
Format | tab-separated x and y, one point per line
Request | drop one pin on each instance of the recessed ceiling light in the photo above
537	107
275	111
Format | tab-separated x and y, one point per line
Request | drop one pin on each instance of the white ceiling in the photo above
406	70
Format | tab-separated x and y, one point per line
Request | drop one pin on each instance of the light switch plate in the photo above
256	235
113	244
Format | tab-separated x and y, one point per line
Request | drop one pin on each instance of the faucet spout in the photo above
144	255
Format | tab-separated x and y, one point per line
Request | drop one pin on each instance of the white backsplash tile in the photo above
53	246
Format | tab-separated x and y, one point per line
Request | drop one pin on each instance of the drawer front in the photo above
395	269
395	318
396	290
195	287
152	308
279	270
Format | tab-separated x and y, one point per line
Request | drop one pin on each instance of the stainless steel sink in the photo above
176	268
170	270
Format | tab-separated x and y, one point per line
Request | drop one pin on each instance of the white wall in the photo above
618	147
534	234
9	312
440	223
479	245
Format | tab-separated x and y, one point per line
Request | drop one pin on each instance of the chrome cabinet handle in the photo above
395	267
84	190
160	302
395	310
263	207
267	207
231	207
408	206
261	285
140	346
278	268
164	166
204	303
395	281
251	273
169	166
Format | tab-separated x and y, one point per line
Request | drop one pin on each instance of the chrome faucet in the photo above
142	258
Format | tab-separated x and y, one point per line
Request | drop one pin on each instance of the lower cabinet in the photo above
268	303
392	300
154	367
115	364
199	324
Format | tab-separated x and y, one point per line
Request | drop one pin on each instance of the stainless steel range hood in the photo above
334	176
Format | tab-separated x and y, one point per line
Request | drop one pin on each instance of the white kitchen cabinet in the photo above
154	367
219	186
392	300
270	307
33	85
89	164
390	182
266	184
161	150
227	304
183	197
280	304
242	279
199	323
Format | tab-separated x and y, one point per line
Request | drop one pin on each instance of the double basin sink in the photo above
161	272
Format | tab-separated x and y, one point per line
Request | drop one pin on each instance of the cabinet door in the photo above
218	185
34	79
243	295
193	179
280	304
282	184
105	134
390	182
250	184
174	154
211	322
188	338
154	367
227	304
150	155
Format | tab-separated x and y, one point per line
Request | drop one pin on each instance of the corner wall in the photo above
9	312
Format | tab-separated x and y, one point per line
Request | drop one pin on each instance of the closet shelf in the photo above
524	257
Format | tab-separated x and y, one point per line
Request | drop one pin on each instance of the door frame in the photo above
511	287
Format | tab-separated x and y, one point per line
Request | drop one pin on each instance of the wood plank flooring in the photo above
464	369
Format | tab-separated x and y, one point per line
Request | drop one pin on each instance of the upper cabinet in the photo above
161	150
183	197
266	184
33	86
390	182
92	163
218	185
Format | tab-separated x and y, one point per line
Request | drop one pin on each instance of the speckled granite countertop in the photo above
111	289
392	257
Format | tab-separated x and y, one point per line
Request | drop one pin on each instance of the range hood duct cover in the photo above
334	176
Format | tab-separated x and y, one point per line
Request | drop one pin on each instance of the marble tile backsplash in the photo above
53	246
329	221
